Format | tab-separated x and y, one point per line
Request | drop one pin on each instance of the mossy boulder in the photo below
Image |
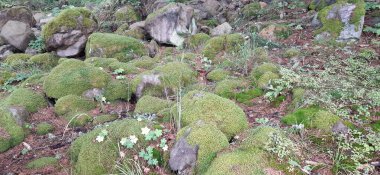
118	90
127	14
324	120
199	105
91	157
73	103
44	128
197	40
45	60
18	59
228	87
297	99
100	62
151	105
109	45
5	75
42	162
34	80
103	119
320	4
127	67
251	10
271	71
74	77
260	56
257	138
122	28
27	98
11	133
224	43
291	53
137	33
218	75
266	78
144	62
209	139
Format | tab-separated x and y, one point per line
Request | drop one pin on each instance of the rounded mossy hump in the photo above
225	43
251	10
27	98
324	121
152	90
137	33
297	99
218	75
263	68
74	77
100	62
34	80
127	67
261	56
73	103
266	78
45	60
44	128
108	45
78	119
118	90
5	75
68	19
151	105
257	138
301	116
239	162
175	74
42	162
199	105
91	157
209	139
17	59
228	88
127	14
11	133
144	62
291	53
197	40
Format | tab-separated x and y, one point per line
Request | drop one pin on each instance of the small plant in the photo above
118	71
206	64
262	121
282	147
375	29
102	101
38	44
102	135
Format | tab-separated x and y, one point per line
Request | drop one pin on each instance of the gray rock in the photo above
6	50
20	114
31	51
71	43
339	128
38	16
140	24
153	48
92	94
221	29
315	23
18	34
21	14
171	23
2	42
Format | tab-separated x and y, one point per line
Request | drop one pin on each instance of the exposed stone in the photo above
153	48
6	50
38	17
20	114
221	29
92	94
21	14
18	34
339	128
169	24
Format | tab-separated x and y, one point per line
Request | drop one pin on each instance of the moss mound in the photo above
17	59
127	67
44	128
78	119
91	157
118	90
251	10
228	87
45	60
151	105
261	56
29	99
199	105
73	103
103	119
260	70
291	53
144	62
209	139
266	78
109	45
127	14
42	162
11	133
218	75
227	43
257	138
197	40
100	62
297	98
74	77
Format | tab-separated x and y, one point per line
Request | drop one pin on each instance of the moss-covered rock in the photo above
5	75
257	138
109	45
137	33
11	133
127	14
34	80
251	10
324	120
74	77
118	90
197	40
121	29
144	62
247	95
44	128
218	75
297	98
127	67
260	70
320	4
275	32
100	62
73	103
29	99
45	60
42	162
228	87
209	139
152	105
103	119
78	119
261	56
291	53
227	43
199	105
266	78
91	157
17	59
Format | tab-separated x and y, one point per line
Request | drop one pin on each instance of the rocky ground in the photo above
190	87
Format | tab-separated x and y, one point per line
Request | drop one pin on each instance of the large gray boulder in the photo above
169	24
21	14
17	34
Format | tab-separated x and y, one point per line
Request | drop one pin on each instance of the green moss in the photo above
188	56
291	53
159	12
199	105
358	13
368	54
239	162
197	40
261	55
228	43
79	119
127	14
127	67
118	90
376	126
152	105
17	59
74	77
100	62
282	31
73	103
318	5
103	119
260	70
61	60
278	100
251	10
12	134
45	60
42	162
34	80
297	98
144	62
44	128
136	33
266	78
4	76
29	99
301	116
333	26
218	75
109	45
68	19
246	96
324	120
209	139
257	138
228	87
210	22
99	158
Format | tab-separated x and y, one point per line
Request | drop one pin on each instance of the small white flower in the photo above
139	119
123	140
145	131
101	68
133	138
104	99
100	138
165	148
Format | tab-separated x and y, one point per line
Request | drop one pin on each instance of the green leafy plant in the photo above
262	121
38	44
102	135
375	30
